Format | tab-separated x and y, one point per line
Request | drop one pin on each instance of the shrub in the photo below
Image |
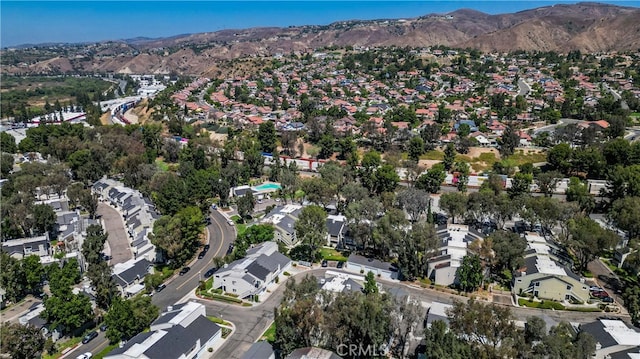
210	350
287	273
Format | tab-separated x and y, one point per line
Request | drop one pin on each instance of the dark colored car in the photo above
600	294
184	270
103	327
340	265
89	337
230	249
607	300
210	272
161	287
206	247
202	254
325	263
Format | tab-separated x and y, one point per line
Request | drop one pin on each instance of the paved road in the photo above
523	87
117	239
607	280
251	322
220	236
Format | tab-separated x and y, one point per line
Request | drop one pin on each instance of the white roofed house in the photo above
251	275
129	276
455	238
283	219
545	274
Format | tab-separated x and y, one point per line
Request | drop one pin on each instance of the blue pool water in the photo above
267	186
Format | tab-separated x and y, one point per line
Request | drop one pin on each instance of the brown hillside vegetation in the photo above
589	27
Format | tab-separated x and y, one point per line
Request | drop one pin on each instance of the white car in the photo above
86	355
230	222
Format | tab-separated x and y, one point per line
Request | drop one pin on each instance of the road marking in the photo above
187	281
98	349
221	238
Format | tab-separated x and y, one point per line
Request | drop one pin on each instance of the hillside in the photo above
589	27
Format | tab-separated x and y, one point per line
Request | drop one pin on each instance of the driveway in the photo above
118	238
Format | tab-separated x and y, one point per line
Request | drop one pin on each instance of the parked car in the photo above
161	287
594	288
89	337
607	300
202	254
206	247
325	263
184	270
230	249
86	355
103	327
600	294
340	264
210	272
230	222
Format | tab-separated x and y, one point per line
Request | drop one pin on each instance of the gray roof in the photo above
312	353
287	223
257	270
259	350
371	262
139	270
135	340
624	354
179	340
334	227
601	336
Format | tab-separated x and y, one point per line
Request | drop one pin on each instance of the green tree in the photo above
449	156
470	273
12	277
520	184
7	143
433	179
442	343
454	204
6	164
67	309
326	146
246	204
487	327
625	214
370	285
311	227
508	142
559	157
267	136
508	248
44	218
126	318
34	272
588	240
179	236
578	191
547	182
462	169
415	148
631	297
21	341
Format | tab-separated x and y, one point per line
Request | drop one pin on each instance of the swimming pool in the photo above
267	187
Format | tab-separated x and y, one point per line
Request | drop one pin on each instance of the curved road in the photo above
220	235
251	322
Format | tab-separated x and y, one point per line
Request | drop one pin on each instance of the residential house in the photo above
339	282
251	275
336	230
129	276
614	338
359	264
312	353
283	218
24	247
260	350
182	332
546	274
454	239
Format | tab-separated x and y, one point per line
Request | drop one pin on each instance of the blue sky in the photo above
34	22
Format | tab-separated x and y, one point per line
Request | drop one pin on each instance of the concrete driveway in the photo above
118	238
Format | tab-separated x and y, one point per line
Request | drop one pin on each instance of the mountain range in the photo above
589	27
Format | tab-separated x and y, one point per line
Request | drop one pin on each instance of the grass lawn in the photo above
162	165
241	228
219	321
235	218
270	334
331	254
520	157
62	346
540	305
433	155
105	351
